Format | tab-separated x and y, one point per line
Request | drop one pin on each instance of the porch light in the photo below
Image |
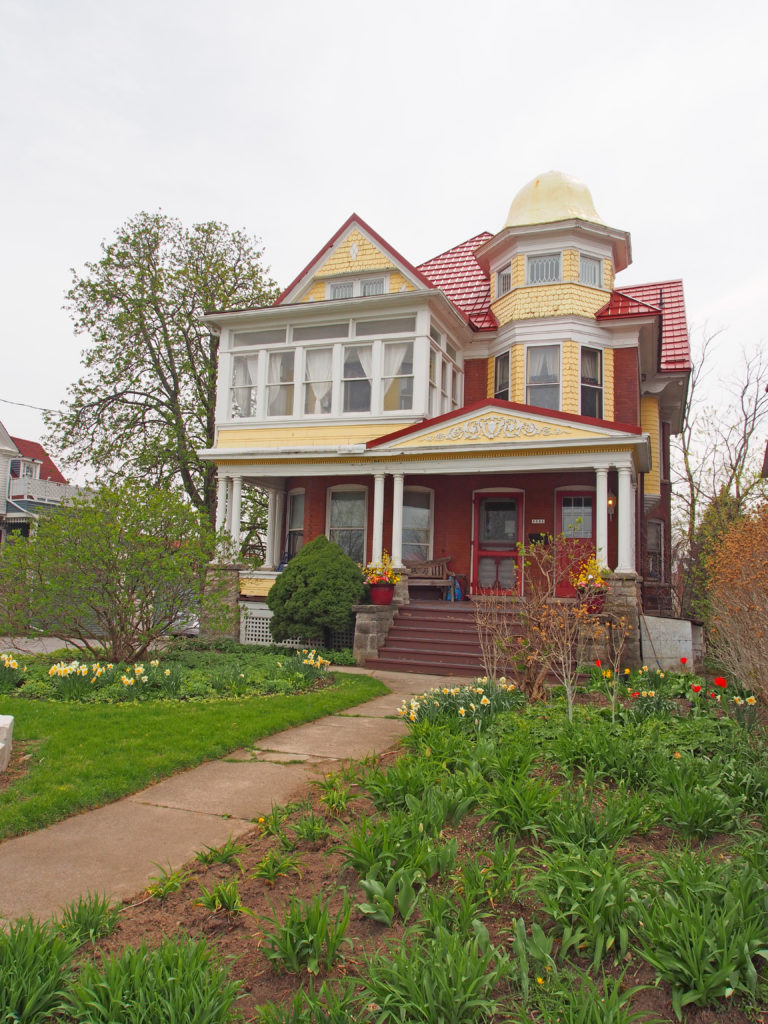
611	503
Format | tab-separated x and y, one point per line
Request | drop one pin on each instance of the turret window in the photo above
590	271
542	377
504	281
592	382
501	377
544	269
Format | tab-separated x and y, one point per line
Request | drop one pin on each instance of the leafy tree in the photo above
315	592
145	404
114	570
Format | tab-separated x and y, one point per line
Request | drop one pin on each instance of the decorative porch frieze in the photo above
493	427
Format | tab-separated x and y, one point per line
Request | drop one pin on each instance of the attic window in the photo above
504	280
354	288
374	286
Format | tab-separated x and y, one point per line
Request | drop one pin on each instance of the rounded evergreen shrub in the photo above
315	593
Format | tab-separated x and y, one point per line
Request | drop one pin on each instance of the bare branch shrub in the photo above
738	636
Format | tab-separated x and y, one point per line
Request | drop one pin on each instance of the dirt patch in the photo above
322	872
22	754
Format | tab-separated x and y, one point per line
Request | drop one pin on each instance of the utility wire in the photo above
27	405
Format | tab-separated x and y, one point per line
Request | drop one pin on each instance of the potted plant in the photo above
590	583
381	579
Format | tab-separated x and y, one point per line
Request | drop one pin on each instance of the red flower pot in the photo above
381	593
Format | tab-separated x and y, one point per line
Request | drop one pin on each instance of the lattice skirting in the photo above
254	629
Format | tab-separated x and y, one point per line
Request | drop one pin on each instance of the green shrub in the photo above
315	593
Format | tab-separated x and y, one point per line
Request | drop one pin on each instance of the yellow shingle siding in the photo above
548	300
369	257
316	293
518	271
490	383
399	283
608	275
517	374
254	587
649	421
608	378
570	265
570	377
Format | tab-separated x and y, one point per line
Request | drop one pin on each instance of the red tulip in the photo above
696	688
598	663
719	681
683	662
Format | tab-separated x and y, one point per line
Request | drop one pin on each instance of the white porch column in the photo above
377	544
397	520
626	521
228	513
269	545
601	514
237	500
278	500
221	499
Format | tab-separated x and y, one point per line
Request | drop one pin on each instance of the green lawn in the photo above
85	755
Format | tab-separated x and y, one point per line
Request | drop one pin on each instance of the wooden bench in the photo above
434	573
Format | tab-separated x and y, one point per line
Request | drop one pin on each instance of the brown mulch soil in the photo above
18	766
241	937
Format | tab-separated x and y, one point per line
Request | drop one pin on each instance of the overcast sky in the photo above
424	117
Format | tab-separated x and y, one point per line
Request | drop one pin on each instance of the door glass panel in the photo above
577	517
498	523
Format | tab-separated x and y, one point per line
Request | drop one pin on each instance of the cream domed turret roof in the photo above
551	197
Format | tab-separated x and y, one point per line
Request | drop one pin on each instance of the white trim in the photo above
419	488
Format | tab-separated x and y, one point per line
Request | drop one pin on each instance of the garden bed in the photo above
517	867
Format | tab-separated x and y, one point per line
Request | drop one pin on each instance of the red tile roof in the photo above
660	298
33	450
459	275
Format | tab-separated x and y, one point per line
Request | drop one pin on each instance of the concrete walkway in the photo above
116	849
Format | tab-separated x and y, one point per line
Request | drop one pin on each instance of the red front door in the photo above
495	567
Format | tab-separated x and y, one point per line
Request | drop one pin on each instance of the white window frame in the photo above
586	259
431	529
533	277
528	385
289	498
500	359
504	280
346	489
600	387
357	284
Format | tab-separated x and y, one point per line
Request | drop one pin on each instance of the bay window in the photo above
592	382
542	376
590	271
501	377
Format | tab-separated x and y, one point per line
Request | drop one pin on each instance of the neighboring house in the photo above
505	389
30	483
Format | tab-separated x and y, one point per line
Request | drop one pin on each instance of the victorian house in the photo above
506	389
